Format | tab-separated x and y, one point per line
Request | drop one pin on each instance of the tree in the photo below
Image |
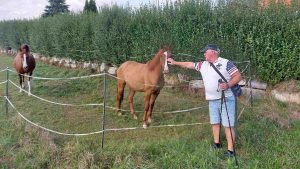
90	6
55	7
86	6
93	7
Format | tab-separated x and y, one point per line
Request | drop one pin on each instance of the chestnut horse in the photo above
24	63
147	78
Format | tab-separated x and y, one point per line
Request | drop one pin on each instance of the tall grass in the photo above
262	141
244	30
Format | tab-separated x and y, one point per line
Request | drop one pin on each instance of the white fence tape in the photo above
63	104
168	112
169	86
3	82
245	68
246	61
161	126
101	104
172	86
60	78
96	132
3	70
240	114
113	129
53	131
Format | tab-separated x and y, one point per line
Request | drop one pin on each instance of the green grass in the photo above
262	142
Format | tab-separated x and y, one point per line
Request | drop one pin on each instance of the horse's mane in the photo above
156	59
24	47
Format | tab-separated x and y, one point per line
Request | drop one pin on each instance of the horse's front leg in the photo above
29	84
130	100
21	83
151	105
146	108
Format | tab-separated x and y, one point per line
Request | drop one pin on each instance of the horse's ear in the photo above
24	46
165	47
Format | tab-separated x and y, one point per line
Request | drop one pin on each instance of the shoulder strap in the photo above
221	76
218	72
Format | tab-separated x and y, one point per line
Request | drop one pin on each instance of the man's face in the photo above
210	55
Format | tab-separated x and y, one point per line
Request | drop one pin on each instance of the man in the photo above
213	90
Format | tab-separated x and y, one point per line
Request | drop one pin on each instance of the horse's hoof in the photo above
135	117
149	120
29	94
145	126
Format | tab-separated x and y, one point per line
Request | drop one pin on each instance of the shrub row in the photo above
269	37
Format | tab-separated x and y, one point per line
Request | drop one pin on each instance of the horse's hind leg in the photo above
130	100
120	95
29	84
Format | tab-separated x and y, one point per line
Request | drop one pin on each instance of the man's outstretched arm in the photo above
189	65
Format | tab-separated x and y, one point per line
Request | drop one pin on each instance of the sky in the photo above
30	9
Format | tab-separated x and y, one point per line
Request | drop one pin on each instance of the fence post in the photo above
250	85
104	105
6	93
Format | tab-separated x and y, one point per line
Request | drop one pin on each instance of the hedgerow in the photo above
268	36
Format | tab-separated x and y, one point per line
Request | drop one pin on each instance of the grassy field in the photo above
268	134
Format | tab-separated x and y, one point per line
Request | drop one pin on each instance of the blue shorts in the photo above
214	111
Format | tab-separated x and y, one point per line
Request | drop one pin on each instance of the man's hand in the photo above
223	86
171	61
189	65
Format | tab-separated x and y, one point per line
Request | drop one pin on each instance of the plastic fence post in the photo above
104	105
251	97
6	94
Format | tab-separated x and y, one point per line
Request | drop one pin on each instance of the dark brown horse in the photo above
24	63
147	78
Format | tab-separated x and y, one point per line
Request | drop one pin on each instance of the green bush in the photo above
269	37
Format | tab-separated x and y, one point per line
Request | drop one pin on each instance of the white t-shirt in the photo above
211	77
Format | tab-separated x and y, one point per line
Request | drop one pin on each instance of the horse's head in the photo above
24	62
24	49
24	52
164	59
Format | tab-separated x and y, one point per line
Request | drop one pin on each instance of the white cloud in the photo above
15	9
29	9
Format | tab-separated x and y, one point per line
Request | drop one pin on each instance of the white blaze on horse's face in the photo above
25	66
166	68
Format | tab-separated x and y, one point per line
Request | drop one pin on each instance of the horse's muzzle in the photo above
25	68
166	71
